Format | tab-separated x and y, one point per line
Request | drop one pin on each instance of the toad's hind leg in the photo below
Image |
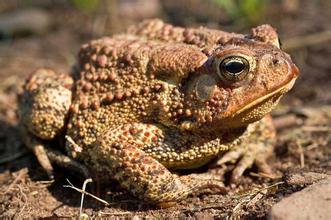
43	110
119	153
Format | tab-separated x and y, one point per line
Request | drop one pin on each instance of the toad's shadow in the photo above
14	156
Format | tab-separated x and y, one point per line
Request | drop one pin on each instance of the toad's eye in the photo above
233	69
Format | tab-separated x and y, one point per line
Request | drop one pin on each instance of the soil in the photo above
303	117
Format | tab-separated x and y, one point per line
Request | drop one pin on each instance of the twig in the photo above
253	192
302	156
247	198
25	199
77	148
239	204
305	41
286	121
255	199
115	213
46	182
312	146
316	128
84	192
219	205
265	175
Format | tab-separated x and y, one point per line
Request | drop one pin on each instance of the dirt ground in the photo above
303	118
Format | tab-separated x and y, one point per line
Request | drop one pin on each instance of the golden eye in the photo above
233	68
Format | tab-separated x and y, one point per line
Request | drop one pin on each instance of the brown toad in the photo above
160	98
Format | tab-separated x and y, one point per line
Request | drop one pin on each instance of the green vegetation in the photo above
243	11
86	5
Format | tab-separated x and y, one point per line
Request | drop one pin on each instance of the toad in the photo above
159	98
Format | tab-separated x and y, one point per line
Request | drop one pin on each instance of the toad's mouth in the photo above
257	109
264	99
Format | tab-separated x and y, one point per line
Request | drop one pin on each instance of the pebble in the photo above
313	202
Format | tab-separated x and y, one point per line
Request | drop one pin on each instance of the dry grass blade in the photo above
302	156
84	192
25	199
265	175
286	121
316	128
77	148
251	198
114	213
255	191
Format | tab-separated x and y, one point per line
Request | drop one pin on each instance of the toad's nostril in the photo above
275	61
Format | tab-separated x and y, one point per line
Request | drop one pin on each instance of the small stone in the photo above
303	178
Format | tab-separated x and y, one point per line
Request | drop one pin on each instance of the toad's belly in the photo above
187	152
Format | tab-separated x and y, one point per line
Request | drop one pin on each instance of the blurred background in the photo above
48	33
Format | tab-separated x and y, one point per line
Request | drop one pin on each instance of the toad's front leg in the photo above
43	111
254	149
119	153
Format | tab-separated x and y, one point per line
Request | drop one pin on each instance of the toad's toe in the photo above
231	156
244	163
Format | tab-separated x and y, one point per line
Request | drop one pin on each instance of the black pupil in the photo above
234	66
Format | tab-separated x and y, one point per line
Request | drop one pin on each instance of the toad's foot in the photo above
194	184
246	157
47	156
203	183
39	151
